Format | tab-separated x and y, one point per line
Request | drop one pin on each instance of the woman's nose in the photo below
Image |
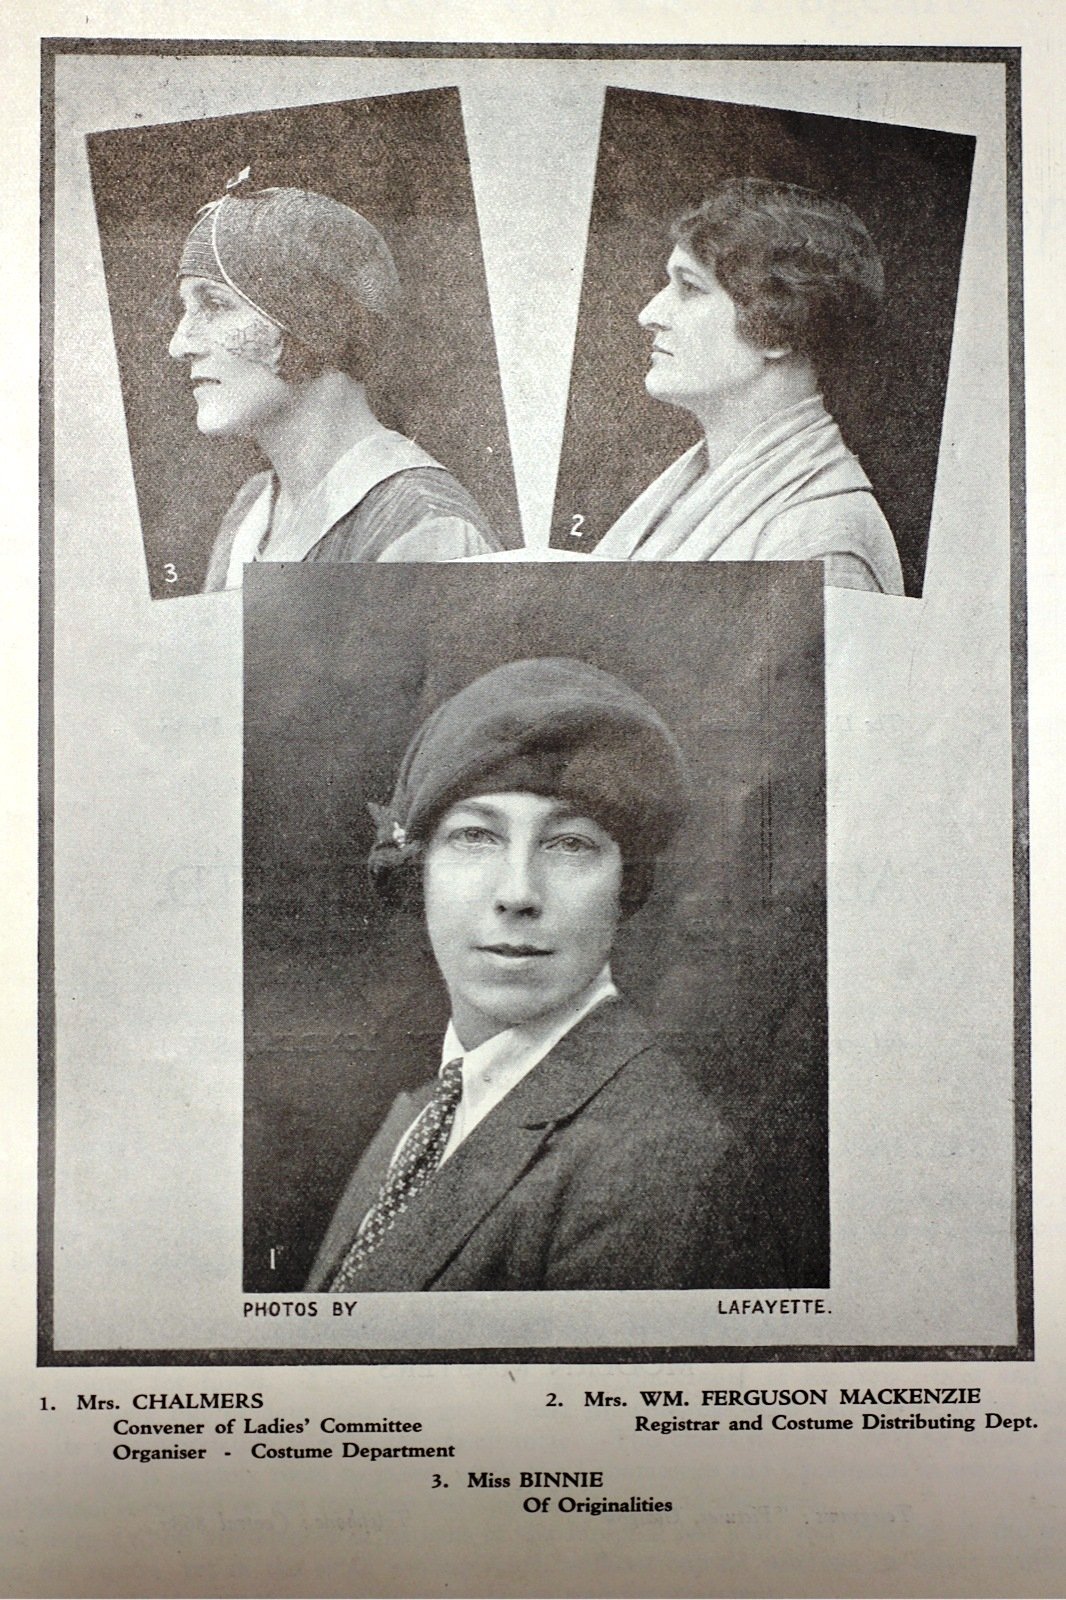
180	344
653	315
517	886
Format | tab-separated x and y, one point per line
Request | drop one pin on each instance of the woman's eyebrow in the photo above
479	807
682	269
562	812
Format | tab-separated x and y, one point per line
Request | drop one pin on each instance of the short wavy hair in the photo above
801	267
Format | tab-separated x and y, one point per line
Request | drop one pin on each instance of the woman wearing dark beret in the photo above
768	287
559	1147
288	298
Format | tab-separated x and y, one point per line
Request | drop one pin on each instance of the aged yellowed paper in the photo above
595	1397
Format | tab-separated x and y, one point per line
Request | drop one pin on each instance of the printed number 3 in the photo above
170	572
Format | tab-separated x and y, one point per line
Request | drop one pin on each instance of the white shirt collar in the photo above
492	1069
379	454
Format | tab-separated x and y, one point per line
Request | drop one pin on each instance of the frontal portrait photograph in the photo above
303	337
534	931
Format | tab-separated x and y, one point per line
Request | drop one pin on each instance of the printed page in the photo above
543	1071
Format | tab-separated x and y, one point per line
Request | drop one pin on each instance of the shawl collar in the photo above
490	1162
691	514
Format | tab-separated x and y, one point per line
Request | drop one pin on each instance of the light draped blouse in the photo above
791	490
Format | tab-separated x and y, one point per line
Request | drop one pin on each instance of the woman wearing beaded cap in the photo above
288	297
768	287
560	1146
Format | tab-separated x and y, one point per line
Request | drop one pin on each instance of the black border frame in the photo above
1010	57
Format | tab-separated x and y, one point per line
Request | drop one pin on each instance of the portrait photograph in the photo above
483	806
304	338
764	340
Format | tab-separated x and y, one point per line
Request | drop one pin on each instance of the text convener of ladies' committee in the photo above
288	298
768	286
559	1146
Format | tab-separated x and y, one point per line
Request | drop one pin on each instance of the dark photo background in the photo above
658	155
399	159
343	1004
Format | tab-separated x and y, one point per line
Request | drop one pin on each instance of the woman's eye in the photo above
207	305
471	836
571	844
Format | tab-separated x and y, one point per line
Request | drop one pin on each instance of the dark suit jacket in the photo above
606	1167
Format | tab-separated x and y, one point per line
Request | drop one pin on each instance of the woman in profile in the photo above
768	287
288	298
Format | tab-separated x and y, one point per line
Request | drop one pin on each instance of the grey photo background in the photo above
658	156
343	1006
148	764
401	160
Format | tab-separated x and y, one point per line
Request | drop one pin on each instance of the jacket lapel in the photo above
489	1163
364	1184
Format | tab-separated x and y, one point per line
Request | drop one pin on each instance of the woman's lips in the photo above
513	952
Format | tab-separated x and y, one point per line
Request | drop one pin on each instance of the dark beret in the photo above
315	267
552	727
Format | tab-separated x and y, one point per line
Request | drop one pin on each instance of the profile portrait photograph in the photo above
510	885
782	288
304	339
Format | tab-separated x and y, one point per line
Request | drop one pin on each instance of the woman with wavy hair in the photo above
288	300
769	286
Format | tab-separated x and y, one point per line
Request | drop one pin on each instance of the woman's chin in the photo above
655	386
215	427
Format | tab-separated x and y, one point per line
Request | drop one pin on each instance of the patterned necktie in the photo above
411	1169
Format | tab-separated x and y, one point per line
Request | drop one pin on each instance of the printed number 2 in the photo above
170	572
576	525
553	1400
